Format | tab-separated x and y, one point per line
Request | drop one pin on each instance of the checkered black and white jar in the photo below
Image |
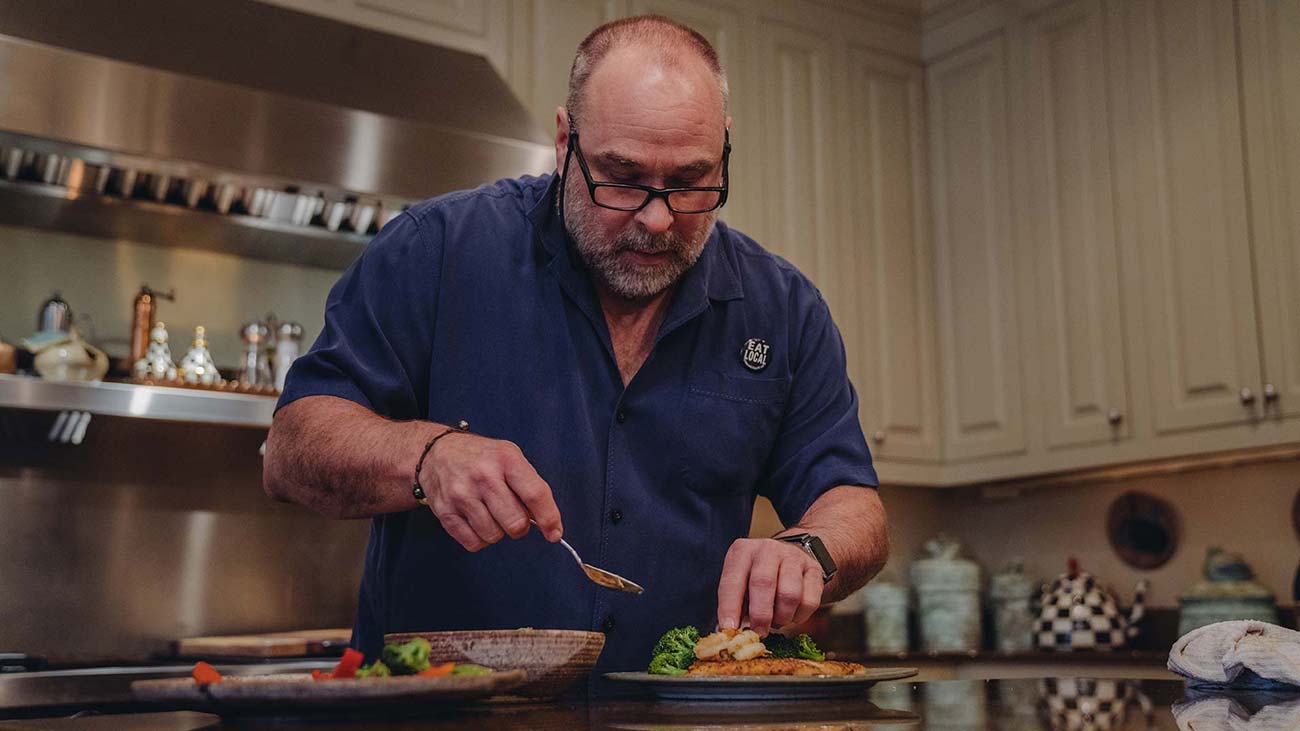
1076	613
1082	704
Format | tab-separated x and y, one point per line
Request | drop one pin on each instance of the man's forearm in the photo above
850	520
341	459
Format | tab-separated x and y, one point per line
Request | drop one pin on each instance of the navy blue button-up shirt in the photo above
473	306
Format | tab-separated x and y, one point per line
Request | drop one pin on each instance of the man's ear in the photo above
728	123
561	137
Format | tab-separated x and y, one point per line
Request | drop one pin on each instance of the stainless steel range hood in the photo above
239	126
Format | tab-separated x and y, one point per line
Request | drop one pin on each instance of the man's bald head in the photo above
670	43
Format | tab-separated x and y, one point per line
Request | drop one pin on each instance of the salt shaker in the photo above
288	344
254	368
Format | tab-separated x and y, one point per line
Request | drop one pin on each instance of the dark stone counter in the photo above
965	705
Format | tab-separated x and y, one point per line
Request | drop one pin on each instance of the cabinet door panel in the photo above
1270	51
728	31
797	185
1072	220
1191	212
890	258
969	154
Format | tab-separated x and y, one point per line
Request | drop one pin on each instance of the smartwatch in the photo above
813	545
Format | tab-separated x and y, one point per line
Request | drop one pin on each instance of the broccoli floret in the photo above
407	658
797	647
376	669
469	668
675	651
665	665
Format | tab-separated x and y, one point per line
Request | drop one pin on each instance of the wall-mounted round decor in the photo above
1143	530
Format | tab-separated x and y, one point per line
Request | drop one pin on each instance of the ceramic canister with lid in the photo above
948	598
885	605
1011	594
1227	592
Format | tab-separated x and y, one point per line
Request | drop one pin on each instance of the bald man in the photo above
633	373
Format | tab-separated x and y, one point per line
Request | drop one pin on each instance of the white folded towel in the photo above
1227	714
1221	653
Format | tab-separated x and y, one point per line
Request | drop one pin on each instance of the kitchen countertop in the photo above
1015	705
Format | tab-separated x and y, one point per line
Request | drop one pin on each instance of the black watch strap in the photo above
814	546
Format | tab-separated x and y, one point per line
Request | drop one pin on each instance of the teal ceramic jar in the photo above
885	612
1227	592
948	598
1014	617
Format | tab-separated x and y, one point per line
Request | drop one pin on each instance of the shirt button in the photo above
608	624
620	416
616	516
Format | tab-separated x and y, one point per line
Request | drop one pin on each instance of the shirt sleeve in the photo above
821	444
377	341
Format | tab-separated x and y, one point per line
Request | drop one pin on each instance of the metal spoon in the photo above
607	579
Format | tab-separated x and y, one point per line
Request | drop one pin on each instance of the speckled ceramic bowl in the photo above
555	659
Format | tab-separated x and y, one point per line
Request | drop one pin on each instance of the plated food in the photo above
682	651
403	677
738	665
397	659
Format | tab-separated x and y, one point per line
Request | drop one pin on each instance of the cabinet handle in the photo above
1247	397
1270	393
878	437
1115	417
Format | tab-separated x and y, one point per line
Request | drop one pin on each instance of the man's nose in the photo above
655	217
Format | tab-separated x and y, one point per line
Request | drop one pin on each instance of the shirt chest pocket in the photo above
727	428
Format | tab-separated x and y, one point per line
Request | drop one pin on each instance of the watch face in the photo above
819	552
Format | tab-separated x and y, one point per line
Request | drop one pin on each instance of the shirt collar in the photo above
713	276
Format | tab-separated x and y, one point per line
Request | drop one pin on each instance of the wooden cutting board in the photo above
272	644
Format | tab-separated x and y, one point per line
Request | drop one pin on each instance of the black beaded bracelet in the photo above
416	489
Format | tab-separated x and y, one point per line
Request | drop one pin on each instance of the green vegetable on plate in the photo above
407	658
675	651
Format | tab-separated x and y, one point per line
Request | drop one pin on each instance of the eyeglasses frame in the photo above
651	191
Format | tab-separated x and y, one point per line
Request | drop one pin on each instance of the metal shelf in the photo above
140	402
118	219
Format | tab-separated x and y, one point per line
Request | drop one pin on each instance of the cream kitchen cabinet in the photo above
1270	58
1155	199
890	258
1192	244
476	26
979	338
1069	224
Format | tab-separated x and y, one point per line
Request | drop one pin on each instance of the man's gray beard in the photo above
623	278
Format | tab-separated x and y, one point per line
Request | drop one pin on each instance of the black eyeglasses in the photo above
628	197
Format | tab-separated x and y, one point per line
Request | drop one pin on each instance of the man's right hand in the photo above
482	490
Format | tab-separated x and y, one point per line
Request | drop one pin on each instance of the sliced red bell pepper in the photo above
349	663
318	675
204	673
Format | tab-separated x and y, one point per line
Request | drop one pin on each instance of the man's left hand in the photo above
779	583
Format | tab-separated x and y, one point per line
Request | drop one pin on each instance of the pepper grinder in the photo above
144	316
